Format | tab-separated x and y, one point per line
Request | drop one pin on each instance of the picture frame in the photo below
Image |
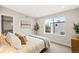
25	24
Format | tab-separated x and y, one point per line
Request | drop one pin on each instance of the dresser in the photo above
75	44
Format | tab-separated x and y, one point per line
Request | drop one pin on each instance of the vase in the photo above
77	34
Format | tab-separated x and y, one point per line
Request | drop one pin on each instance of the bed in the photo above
35	44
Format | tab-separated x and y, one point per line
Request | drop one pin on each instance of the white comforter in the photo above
46	41
34	45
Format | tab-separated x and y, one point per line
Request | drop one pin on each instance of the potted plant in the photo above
36	27
76	28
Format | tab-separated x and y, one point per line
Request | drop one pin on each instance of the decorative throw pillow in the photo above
22	38
13	40
3	40
4	45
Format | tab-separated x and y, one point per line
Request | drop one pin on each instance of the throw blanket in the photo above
46	41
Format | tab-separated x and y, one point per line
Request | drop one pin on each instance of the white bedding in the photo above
46	40
34	45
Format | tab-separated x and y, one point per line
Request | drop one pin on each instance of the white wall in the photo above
17	17
71	16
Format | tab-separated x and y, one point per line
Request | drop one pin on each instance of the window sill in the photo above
54	34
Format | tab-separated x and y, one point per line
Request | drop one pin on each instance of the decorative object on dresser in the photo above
75	44
76	28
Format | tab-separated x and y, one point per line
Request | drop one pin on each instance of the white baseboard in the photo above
60	43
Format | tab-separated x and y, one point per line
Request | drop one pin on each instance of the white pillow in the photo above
14	40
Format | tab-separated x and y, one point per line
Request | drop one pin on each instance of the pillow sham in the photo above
22	38
13	40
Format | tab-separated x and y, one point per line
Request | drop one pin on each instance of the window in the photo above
55	25
48	25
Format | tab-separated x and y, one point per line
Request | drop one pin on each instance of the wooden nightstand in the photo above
75	44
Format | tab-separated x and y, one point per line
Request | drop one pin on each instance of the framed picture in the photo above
6	24
25	24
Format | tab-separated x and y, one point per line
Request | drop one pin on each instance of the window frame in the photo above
52	26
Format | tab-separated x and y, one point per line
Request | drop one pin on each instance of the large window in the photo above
55	25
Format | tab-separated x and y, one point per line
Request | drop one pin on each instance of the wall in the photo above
71	16
17	17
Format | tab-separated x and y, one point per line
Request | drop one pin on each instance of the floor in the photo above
57	48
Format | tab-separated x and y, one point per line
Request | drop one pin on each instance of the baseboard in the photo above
60	44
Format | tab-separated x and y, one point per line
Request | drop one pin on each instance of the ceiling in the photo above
40	10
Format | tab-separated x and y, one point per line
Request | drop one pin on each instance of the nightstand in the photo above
75	44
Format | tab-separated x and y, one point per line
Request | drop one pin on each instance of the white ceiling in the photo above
40	10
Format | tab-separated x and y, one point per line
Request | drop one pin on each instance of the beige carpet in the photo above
56	48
